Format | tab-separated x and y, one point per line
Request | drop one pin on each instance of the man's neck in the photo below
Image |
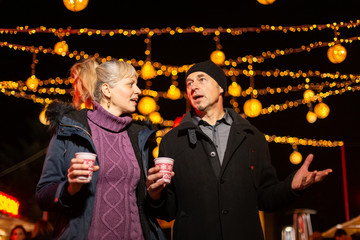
211	116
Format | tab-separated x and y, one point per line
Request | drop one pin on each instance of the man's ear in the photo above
221	90
105	89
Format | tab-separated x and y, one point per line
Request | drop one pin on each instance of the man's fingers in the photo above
153	170
307	161
156	186
322	174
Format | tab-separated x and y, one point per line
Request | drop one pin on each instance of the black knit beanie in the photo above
211	69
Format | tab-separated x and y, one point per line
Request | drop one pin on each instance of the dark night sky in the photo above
22	135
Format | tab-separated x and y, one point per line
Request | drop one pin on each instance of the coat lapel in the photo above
238	132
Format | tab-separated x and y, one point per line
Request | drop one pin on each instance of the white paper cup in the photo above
89	159
166	166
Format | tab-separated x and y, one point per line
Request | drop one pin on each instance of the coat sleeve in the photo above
166	207
272	194
51	192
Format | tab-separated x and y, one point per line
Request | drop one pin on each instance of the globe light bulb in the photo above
266	2
337	53
322	110
146	105
75	5
295	157
32	82
218	57
252	107
234	89
61	48
311	117
148	71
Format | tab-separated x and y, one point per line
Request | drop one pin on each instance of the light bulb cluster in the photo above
178	30
302	141
148	69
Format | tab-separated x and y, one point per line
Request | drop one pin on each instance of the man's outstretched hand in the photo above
303	178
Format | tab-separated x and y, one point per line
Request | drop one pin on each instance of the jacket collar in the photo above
239	122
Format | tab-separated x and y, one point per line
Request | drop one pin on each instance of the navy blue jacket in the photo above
74	213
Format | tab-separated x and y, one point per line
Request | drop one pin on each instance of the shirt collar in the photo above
227	119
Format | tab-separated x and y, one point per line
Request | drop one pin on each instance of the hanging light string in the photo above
230	62
177	30
303	141
21	86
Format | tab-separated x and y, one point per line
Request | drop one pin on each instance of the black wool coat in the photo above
210	201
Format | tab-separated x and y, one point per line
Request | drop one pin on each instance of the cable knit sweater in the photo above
115	213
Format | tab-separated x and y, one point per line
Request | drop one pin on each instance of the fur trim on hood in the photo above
55	111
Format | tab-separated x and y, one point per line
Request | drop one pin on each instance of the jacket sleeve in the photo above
272	194
51	192
166	207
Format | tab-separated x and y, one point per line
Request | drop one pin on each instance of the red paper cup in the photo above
166	166
89	159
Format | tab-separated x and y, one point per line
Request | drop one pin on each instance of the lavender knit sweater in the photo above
115	214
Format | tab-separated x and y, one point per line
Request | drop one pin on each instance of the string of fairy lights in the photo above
44	91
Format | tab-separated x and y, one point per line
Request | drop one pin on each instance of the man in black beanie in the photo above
223	175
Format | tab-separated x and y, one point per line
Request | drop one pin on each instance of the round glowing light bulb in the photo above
76	5
155	117
337	53
266	2
61	48
252	107
155	152
295	157
311	117
32	82
148	71
146	105
308	95
234	89
322	110
173	93
42	117
218	57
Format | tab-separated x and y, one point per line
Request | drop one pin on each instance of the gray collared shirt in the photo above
219	133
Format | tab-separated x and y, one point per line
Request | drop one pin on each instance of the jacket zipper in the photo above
87	133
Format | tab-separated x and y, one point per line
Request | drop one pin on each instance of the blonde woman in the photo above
112	204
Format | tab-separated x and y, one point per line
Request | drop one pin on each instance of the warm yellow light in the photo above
311	117
234	89
322	110
61	48
155	152
252	107
43	118
218	57
266	2
308	95
76	5
32	82
337	53
155	117
295	157
148	71
146	105
173	93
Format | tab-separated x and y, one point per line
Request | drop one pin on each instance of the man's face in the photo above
203	91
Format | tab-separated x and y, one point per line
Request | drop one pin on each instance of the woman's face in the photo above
18	234
124	96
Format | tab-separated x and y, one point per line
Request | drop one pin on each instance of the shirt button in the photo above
212	154
224	211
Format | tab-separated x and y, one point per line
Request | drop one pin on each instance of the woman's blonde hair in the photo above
89	76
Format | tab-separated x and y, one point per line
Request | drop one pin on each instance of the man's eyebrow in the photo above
197	75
